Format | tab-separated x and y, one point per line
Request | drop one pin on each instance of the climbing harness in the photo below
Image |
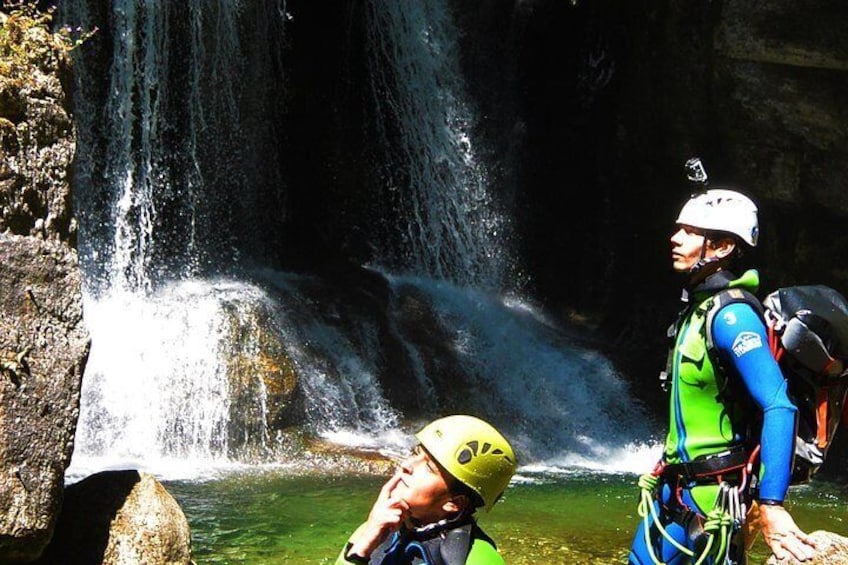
719	525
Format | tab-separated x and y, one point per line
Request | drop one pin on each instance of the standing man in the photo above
425	512
731	429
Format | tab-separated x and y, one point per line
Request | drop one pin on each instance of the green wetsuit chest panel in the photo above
700	422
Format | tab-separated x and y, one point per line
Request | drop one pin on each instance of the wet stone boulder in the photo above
43	350
264	394
120	518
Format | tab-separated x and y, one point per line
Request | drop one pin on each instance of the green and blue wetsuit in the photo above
713	407
464	544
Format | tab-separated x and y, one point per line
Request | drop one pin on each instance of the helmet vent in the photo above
472	449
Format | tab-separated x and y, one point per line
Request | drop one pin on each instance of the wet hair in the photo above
458	488
735	259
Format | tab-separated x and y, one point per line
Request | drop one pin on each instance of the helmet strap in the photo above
429	530
696	273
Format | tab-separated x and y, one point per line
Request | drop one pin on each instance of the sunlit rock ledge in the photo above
832	550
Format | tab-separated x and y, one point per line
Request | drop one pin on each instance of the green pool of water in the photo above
270	518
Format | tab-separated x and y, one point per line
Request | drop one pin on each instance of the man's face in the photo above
686	246
424	488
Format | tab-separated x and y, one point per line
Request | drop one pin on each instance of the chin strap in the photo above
703	261
430	530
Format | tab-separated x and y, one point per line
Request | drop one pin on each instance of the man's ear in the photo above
456	504
724	247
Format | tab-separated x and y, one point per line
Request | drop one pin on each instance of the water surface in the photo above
581	518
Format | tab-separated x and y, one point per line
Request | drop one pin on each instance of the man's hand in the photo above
783	537
386	516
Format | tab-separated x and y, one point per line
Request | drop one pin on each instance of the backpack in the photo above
808	335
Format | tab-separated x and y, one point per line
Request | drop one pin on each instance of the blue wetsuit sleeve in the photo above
740	339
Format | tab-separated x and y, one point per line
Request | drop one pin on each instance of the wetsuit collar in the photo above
720	280
430	530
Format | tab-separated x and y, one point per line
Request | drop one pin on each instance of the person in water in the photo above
731	432
425	513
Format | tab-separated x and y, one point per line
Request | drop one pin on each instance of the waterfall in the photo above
433	181
196	340
167	157
155	386
173	105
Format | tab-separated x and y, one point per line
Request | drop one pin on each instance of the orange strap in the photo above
821	417
775	346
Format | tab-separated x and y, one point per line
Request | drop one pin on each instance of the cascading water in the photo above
194	346
165	159
436	187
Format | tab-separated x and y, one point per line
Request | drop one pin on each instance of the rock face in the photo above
43	347
832	550
754	88
36	135
781	71
119	518
43	343
258	368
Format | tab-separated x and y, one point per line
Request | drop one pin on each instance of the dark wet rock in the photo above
118	518
264	393
43	348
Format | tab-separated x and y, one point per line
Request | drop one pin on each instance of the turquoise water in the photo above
269	518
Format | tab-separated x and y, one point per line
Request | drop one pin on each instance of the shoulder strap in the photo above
725	298
712	306
456	545
448	547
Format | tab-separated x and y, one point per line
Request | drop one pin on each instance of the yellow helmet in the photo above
474	452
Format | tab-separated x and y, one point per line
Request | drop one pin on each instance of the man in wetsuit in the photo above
424	513
727	397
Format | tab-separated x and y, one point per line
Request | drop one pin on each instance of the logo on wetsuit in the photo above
745	342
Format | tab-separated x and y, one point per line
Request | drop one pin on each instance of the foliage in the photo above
26	39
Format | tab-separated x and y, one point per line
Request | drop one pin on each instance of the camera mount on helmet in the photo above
695	172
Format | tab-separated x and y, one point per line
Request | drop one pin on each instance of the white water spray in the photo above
561	402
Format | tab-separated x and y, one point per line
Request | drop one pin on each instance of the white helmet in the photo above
722	210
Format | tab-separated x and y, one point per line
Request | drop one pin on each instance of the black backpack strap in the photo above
449	546
725	298
456	545
713	306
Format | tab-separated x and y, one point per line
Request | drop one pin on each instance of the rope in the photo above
726	516
647	511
